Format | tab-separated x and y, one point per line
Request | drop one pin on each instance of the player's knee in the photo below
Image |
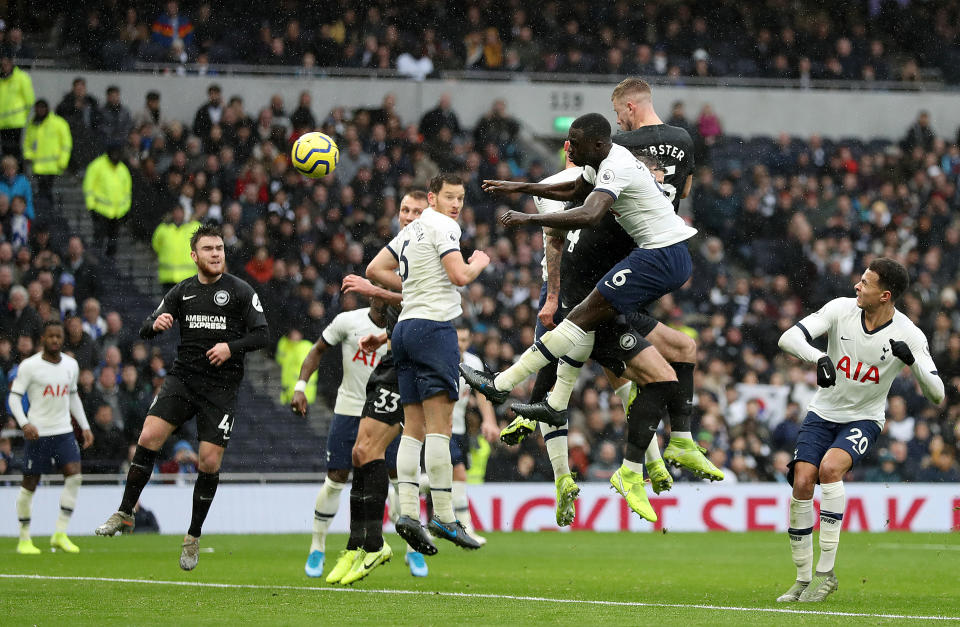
684	348
30	482
649	366
831	472
209	463
360	453
339	475
803	483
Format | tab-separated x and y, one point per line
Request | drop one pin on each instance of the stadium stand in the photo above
786	223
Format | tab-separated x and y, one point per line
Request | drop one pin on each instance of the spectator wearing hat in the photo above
47	146
106	189
16	98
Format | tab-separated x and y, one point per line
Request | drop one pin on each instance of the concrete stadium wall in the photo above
288	508
742	111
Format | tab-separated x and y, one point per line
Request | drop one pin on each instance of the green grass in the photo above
888	573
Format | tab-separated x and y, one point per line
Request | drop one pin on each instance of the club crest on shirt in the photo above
221	298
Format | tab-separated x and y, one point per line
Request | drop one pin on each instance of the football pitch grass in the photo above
581	578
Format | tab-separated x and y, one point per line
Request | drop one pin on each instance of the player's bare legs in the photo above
155	432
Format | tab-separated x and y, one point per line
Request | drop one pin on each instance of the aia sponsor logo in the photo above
56	390
861	373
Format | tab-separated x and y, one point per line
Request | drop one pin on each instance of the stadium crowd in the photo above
785	225
872	41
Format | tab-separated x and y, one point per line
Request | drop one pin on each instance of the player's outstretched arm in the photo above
382	270
587	215
461	273
564	190
310	364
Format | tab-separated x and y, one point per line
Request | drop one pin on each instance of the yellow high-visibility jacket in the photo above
107	187
290	356
48	144
16	99
172	245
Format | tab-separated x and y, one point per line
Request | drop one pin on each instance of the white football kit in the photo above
428	293
640	205
49	388
546	205
863	359
347	329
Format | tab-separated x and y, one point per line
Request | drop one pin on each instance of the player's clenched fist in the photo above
479	258
902	351
826	373
163	322
299	403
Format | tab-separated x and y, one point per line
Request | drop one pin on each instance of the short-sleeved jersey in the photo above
865	364
347	329
545	205
640	205
460	407
48	386
419	247
588	255
210	313
671	145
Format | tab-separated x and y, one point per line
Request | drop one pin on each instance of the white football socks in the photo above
568	369
461	505
24	502
801	537
408	476
68	500
436	457
555	439
833	502
328	502
558	342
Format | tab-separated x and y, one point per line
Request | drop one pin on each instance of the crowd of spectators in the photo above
878	40
785	224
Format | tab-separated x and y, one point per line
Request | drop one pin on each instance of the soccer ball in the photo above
315	155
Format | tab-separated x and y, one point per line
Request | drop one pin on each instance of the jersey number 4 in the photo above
226	425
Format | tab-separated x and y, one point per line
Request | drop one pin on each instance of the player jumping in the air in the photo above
372	445
426	264
868	343
658	264
221	319
48	380
587	255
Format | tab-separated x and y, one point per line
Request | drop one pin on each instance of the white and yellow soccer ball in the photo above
315	155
